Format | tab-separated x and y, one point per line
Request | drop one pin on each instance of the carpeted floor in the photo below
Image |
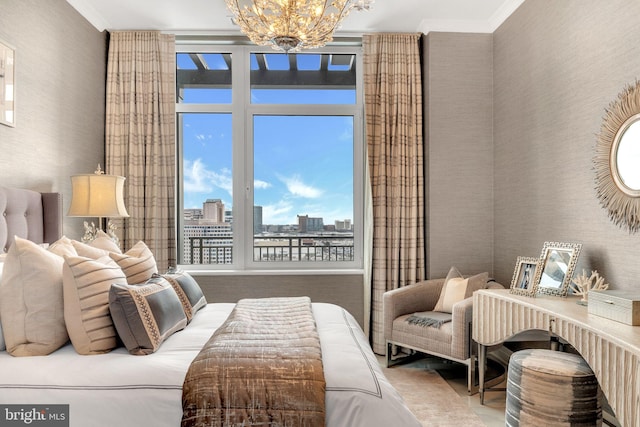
431	398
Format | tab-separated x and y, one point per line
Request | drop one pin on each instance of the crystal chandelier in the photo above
292	25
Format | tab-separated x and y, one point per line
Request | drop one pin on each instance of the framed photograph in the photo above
557	264
523	282
7	84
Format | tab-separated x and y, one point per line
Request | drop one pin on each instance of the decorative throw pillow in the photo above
31	302
189	292
456	288
87	251
137	263
63	246
86	284
103	241
146	315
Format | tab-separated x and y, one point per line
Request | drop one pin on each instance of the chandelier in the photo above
292	25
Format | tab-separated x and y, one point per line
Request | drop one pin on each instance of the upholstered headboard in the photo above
30	215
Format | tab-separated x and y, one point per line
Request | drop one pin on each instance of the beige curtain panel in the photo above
393	110
140	137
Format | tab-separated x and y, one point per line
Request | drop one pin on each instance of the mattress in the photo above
120	389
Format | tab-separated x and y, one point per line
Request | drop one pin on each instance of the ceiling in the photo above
211	16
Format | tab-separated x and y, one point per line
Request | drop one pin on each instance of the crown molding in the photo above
90	14
453	26
472	26
503	12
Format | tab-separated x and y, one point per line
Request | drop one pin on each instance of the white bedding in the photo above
118	389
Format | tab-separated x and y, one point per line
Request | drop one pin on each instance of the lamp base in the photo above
91	232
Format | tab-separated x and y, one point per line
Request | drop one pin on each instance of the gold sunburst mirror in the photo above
617	159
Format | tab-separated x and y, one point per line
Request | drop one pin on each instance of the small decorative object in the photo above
523	282
582	284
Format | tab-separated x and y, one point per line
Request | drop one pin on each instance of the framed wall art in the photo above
7	84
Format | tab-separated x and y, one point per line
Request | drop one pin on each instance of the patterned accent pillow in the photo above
456	288
137	263
31	302
86	283
189	292
146	315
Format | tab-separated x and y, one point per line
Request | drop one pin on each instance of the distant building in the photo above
213	210
192	214
257	219
343	225
309	225
207	235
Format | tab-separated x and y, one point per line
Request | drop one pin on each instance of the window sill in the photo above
307	272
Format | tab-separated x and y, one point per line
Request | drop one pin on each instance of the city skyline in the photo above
293	174
188	215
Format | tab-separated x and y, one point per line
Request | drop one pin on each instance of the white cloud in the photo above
260	184
279	213
298	188
199	179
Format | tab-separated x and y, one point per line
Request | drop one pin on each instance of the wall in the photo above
557	66
342	289
60	84
459	168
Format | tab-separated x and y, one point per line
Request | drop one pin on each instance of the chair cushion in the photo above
456	288
419	337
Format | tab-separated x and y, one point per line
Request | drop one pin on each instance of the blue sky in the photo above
302	165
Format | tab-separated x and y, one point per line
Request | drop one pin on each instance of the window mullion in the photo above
240	88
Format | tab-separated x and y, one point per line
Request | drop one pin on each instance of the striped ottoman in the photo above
551	388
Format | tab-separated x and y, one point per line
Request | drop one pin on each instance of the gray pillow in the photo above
145	315
189	292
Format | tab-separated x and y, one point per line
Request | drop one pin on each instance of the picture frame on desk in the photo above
524	274
556	266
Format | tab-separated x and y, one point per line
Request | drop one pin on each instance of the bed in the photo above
117	388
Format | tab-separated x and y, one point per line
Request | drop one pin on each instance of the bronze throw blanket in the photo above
262	367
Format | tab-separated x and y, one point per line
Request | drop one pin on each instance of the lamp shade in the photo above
97	195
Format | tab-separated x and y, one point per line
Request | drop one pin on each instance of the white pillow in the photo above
31	302
456	288
63	246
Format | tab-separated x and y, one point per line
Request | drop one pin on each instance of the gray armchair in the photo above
451	341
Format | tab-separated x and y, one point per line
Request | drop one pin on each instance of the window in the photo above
270	158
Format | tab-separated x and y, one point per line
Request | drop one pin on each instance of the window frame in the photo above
242	116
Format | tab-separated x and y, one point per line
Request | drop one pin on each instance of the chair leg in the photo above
388	354
471	376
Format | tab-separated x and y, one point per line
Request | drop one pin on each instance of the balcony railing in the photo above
299	248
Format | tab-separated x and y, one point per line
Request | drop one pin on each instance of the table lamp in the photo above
98	195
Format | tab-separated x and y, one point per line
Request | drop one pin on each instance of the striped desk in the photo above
611	349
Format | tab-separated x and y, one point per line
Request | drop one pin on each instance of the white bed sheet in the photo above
118	389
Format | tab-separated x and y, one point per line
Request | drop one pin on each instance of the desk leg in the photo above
482	365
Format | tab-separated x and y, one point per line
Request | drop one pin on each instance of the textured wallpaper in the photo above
557	66
459	137
60	79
